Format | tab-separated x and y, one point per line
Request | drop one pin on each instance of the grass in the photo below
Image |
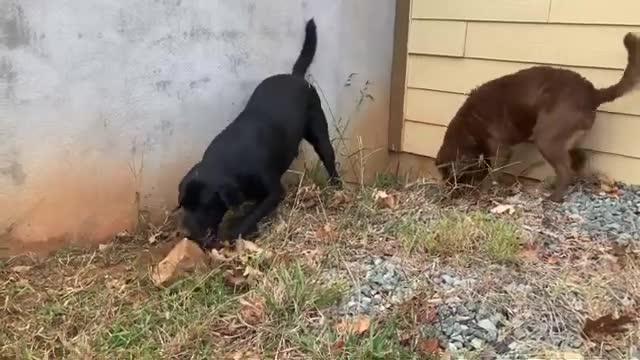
459	234
81	303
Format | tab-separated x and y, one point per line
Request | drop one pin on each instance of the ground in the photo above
391	271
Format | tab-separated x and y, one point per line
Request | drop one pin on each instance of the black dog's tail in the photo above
308	50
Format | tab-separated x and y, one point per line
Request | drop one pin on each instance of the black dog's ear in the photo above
231	195
194	194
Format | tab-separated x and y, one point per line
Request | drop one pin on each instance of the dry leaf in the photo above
565	356
326	233
429	346
606	326
104	247
338	346
428	315
217	257
553	260
385	200
339	198
21	269
308	196
529	253
243	246
312	257
244	355
357	325
501	209
153	239
252	275
252	311
185	256
235	279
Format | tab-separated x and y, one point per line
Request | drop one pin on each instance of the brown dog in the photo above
553	107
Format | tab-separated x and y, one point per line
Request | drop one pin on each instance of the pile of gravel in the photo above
470	326
385	284
616	218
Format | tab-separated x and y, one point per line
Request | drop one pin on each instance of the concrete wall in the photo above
456	45
103	102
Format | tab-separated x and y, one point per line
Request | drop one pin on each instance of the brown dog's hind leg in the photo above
578	159
557	138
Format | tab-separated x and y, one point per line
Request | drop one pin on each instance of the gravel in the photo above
469	325
605	216
385	284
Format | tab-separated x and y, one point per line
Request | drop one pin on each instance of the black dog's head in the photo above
203	209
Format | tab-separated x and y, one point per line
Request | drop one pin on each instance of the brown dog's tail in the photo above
631	77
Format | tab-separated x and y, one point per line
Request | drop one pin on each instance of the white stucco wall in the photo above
103	99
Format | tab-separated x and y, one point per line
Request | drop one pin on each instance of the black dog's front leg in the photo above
249	224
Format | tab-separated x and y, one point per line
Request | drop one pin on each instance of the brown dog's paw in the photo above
556	197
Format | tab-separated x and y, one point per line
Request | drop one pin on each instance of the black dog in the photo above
247	159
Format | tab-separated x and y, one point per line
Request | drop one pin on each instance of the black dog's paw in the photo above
244	232
336	182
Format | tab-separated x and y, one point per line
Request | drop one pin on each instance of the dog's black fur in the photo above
246	161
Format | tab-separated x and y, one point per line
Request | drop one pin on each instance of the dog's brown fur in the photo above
553	107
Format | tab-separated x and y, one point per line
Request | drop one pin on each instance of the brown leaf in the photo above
308	196
252	311
244	355
553	260
428	315
606	326
326	233
338	346
339	198
358	325
529	253
217	257
244	246
252	275
385	200
429	346
236	279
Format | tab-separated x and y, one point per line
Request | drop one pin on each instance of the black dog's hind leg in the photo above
317	134
264	207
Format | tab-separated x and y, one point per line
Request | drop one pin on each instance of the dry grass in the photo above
101	303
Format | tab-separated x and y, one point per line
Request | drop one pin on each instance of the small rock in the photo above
487	325
497	319
449	280
457	338
477	344
519	334
185	256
